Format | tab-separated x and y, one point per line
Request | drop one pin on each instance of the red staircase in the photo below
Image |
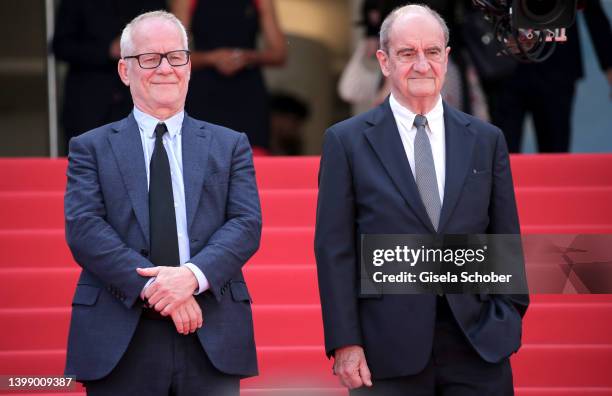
567	338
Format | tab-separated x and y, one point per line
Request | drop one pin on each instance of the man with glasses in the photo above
414	165
161	211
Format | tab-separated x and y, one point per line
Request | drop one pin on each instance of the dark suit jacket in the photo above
107	229
366	187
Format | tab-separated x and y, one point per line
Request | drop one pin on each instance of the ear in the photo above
448	49
123	72
383	61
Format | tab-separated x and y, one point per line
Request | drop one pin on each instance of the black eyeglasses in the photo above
153	59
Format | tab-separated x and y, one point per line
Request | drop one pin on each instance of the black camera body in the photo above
543	14
528	30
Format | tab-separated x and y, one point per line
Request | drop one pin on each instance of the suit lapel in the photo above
127	147
459	146
196	146
384	138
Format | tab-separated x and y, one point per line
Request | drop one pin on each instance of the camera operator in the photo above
546	89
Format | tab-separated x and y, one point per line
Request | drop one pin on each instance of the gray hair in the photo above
126	43
387	25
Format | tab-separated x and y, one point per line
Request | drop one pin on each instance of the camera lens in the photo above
542	10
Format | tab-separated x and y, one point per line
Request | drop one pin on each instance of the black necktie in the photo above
164	241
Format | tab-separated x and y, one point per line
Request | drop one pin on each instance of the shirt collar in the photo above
147	123
407	116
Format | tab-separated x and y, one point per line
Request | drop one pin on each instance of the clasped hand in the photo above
172	294
230	61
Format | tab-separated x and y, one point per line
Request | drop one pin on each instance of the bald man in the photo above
414	165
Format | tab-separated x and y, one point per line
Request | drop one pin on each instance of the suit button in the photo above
144	252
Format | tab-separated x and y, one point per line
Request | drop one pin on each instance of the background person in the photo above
87	38
228	87
546	90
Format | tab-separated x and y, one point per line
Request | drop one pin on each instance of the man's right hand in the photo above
351	367
187	317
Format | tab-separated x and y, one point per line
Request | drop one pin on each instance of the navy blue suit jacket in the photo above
366	187
107	229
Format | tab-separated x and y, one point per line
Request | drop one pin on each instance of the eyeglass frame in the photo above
161	58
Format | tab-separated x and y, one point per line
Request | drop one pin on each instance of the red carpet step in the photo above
567	339
547	391
297	366
282	208
291	325
43	174
46	248
268	284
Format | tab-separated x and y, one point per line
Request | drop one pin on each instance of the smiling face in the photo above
159	92
415	61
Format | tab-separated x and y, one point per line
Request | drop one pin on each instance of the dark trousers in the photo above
160	361
549	100
454	368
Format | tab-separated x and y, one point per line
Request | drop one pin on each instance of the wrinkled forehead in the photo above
417	30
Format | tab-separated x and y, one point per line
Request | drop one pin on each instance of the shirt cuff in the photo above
202	281
151	280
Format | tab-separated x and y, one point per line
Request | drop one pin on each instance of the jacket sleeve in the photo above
229	248
503	213
335	247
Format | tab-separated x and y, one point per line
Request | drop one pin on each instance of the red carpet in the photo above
567	339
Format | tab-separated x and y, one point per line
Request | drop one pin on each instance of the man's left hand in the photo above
172	287
187	317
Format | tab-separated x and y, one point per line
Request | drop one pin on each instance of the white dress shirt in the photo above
404	118
173	145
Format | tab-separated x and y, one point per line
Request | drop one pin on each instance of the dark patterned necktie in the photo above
164	241
425	172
